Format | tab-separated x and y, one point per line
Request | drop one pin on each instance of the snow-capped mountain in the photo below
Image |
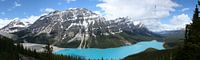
80	27
15	26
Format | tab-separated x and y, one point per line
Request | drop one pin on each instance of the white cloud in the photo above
137	8
47	10
65	1
30	19
185	9
176	23
17	4
147	12
68	1
4	22
180	21
99	13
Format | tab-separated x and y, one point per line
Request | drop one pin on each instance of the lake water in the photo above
112	53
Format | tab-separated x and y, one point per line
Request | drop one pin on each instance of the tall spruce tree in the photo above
194	28
191	48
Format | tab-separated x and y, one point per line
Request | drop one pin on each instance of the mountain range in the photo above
80	28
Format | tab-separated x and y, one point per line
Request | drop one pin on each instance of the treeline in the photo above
11	51
168	54
7	49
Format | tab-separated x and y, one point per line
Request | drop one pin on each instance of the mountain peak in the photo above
75	11
14	26
71	14
14	23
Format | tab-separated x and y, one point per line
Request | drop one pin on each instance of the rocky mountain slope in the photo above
80	27
8	35
15	26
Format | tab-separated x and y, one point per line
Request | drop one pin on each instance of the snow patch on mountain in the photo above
15	26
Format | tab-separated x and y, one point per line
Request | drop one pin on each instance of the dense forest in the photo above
14	51
190	50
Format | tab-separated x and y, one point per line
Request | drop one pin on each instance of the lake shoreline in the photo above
117	53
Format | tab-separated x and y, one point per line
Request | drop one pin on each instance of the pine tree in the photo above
48	48
193	30
191	48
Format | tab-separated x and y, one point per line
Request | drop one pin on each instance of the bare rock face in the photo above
81	28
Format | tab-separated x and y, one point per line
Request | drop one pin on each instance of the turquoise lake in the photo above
112	53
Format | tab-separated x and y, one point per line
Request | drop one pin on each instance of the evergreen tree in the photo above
193	30
48	48
191	48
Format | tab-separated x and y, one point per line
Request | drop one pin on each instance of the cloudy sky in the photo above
157	15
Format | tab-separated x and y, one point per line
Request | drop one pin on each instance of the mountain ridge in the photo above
15	26
82	28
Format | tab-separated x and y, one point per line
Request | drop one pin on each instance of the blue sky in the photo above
10	9
34	7
189	5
